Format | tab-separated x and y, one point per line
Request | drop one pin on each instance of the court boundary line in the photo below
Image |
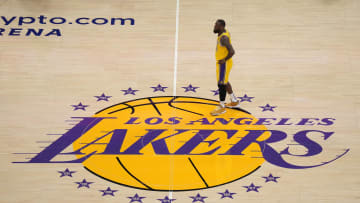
175	60
176	46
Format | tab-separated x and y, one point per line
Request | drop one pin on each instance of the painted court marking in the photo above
175	59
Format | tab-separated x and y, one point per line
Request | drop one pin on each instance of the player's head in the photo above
219	25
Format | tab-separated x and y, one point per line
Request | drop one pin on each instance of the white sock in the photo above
233	97
222	104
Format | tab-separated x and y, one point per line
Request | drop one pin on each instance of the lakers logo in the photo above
170	143
173	144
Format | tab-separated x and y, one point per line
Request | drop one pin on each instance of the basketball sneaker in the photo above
233	104
218	110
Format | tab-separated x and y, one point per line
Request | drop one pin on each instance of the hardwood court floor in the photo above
302	56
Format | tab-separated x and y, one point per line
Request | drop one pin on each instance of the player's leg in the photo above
222	94
230	92
229	88
234	101
220	74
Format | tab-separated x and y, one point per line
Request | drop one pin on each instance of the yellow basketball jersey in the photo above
221	51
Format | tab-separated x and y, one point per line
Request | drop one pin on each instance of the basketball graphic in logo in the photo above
170	143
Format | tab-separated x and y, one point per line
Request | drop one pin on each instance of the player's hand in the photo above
222	61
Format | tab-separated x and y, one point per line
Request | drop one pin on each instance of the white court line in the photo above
175	60
176	46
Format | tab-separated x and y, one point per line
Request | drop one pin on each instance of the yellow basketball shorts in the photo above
223	71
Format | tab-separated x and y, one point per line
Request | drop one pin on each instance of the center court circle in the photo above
177	172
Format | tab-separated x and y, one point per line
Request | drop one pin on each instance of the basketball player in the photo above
223	55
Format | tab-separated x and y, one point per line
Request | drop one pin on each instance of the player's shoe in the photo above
218	110
233	104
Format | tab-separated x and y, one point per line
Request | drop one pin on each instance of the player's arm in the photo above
224	40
